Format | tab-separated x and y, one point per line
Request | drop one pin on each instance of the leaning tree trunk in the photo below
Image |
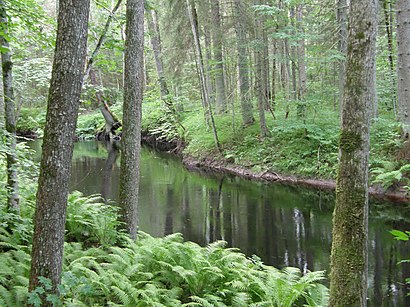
112	123
58	143
154	34
131	137
206	101
100	42
348	277
10	118
403	68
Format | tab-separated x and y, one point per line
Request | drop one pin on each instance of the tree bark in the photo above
154	34
342	21
260	76
58	142
348	277
388	23
243	67
208	110
131	137
10	117
403	64
218	58
301	50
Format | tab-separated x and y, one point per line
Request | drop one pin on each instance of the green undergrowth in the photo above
306	149
102	267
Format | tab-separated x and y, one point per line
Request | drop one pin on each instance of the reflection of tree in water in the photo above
113	153
169	219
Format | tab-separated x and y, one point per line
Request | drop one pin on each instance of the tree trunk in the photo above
243	67
112	123
208	110
154	34
273	80
342	21
100	40
388	23
58	142
302	88
403	66
260	76
131	137
218	59
348	277
265	66
293	57
10	117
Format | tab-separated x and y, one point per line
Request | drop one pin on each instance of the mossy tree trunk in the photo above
58	143
403	64
131	137
348	277
9	112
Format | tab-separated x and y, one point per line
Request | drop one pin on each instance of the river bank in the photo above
217	163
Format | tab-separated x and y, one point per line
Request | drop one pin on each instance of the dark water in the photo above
285	226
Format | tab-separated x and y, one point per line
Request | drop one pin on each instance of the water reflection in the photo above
283	225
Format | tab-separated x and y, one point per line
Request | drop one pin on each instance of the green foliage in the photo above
31	120
88	124
402	236
90	220
390	178
160	117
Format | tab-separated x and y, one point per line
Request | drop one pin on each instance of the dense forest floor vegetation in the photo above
102	267
306	148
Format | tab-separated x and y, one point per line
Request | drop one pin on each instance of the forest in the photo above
282	123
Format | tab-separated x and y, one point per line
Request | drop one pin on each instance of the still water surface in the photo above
284	225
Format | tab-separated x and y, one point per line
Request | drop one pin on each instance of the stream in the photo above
283	225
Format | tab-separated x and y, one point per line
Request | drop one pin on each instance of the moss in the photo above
348	264
349	140
7	66
360	35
